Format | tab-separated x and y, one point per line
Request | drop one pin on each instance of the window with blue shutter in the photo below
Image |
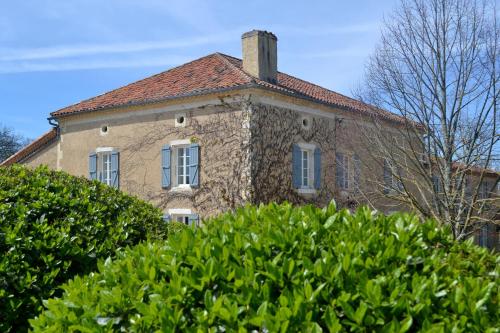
93	166
194	168
317	168
115	169
193	219
166	166
296	166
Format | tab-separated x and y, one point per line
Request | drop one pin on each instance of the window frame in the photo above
104	169
174	165
349	170
182	213
100	153
309	149
186	159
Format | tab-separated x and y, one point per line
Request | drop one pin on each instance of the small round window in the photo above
306	122
104	129
180	120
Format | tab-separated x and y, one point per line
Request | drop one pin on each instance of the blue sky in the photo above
57	52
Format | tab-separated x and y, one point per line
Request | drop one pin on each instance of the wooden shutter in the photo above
317	168
296	166
115	169
194	169
165	166
339	170
93	166
193	219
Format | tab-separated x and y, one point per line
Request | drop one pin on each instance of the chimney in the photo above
260	58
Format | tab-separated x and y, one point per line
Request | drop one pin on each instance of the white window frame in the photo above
180	215
309	187
104	169
346	166
395	185
175	145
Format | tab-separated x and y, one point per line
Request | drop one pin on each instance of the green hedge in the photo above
54	226
277	268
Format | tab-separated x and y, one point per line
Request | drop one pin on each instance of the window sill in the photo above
182	188
306	191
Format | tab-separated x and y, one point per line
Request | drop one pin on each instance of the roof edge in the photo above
32	148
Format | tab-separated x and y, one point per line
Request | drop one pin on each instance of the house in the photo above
215	133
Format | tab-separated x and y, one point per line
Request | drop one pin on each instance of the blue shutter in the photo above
339	170
317	168
115	169
296	166
194	219
194	173
93	166
165	166
167	218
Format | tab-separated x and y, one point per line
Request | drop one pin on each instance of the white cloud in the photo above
68	65
65	51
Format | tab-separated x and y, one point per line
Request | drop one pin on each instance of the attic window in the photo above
180	120
306	121
104	129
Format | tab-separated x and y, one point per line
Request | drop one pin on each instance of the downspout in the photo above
54	123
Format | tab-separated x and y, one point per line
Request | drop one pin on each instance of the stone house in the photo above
216	133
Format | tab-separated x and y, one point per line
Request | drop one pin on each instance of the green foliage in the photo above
277	268
54	226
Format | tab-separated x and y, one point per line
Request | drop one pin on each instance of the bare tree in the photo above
437	65
10	142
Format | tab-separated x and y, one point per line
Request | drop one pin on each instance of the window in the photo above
180	120
483	236
104	130
436	184
342	170
180	165
484	190
104	166
392	175
348	171
184	216
306	167
183	164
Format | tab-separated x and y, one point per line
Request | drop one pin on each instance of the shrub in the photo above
54	226
277	268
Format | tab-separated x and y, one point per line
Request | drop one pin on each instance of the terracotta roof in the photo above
34	146
215	72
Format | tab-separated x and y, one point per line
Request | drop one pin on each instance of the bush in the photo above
54	226
277	268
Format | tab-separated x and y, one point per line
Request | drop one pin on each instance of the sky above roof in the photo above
56	53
